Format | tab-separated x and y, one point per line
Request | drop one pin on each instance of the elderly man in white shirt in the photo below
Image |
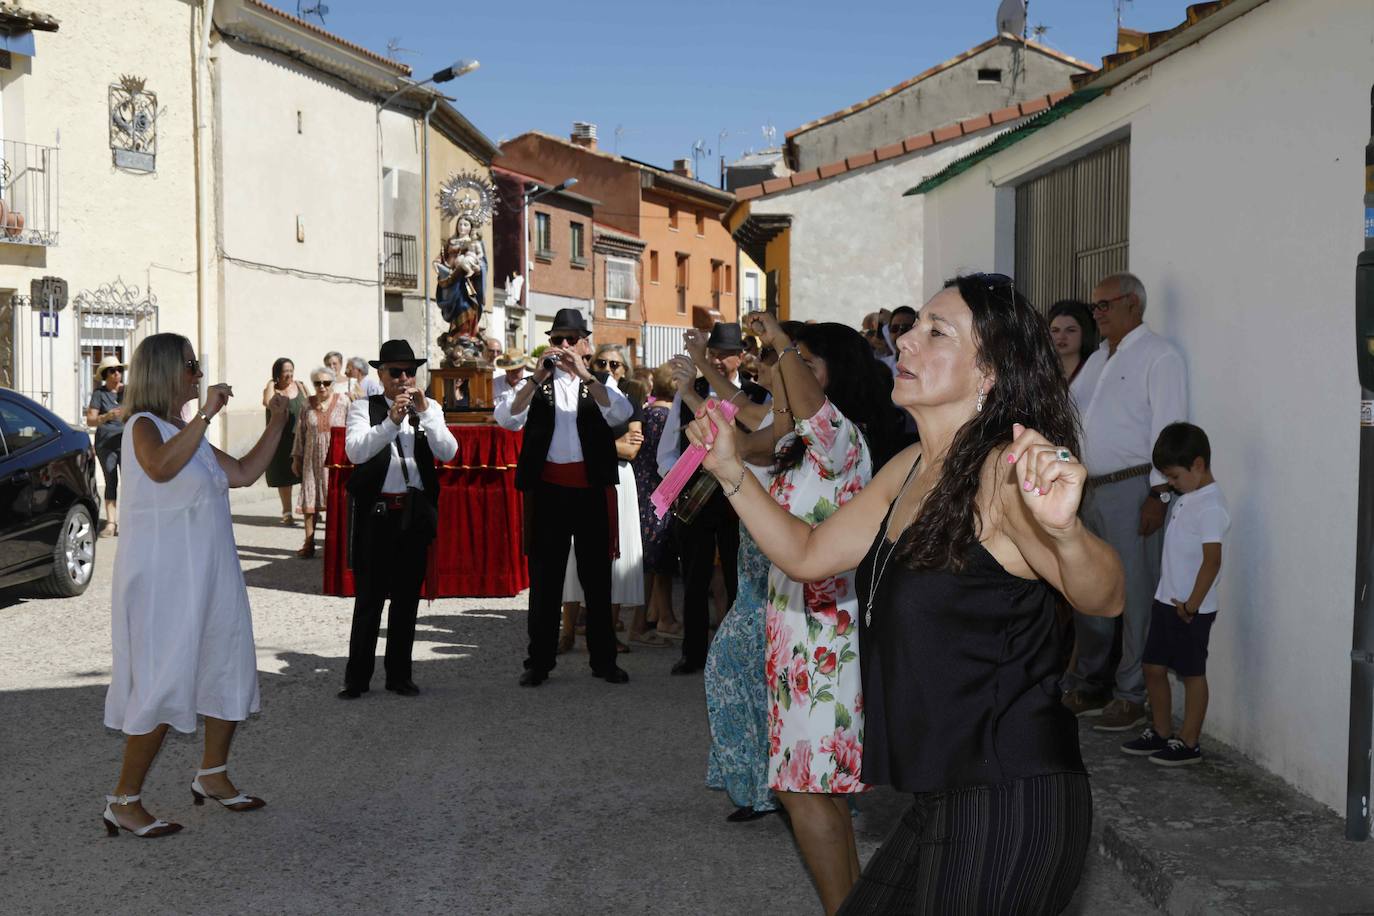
1127	392
568	472
393	439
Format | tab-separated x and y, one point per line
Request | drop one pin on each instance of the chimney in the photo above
682	167
584	134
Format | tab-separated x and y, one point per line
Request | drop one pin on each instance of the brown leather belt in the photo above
394	502
1140	470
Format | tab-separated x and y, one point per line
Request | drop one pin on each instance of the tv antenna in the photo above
698	150
620	131
1120	8
394	49
314	9
770	134
1038	30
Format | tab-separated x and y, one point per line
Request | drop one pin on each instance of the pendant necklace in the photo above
880	568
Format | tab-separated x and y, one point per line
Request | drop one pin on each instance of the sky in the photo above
656	77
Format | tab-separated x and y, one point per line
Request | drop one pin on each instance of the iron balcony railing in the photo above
29	191
402	260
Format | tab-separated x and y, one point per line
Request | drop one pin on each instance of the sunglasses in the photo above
322	383
897	330
192	366
558	340
612	363
1102	305
401	372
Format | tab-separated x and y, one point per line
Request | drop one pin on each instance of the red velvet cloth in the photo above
477	552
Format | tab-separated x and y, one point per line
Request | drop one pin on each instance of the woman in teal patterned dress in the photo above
736	695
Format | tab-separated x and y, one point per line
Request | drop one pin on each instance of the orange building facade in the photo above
684	275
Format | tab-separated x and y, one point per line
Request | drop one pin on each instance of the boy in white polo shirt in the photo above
1186	601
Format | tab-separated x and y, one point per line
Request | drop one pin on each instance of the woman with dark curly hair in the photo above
1074	334
964	543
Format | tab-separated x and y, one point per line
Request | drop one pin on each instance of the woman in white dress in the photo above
627	571
182	632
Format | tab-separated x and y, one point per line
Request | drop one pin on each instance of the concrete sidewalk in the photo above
1222	836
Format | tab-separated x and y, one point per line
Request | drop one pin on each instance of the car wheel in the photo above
73	559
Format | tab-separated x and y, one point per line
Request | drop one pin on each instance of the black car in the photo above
47	499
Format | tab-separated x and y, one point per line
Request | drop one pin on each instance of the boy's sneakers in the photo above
1177	754
1146	745
1121	716
1083	704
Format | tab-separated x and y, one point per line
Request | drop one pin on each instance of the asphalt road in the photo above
476	797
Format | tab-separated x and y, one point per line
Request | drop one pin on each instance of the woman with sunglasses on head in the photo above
325	409
964	543
182	630
627	571
279	473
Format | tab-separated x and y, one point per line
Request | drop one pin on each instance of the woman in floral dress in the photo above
326	408
840	399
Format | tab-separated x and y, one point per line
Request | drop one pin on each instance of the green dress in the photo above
279	471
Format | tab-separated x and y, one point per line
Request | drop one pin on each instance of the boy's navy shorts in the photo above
1175	644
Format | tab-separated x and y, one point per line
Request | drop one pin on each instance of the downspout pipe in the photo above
1362	639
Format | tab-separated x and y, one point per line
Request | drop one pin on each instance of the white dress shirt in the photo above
1127	398
500	386
371	386
363	440
566	445
668	451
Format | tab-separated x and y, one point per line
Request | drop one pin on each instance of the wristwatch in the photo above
203	415
1163	495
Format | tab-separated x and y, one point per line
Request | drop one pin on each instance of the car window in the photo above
21	427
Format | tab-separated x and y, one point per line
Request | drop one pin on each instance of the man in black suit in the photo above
567	472
393	439
716	527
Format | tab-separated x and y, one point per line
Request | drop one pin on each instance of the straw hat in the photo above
511	359
109	362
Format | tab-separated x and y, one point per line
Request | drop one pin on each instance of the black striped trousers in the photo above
1015	848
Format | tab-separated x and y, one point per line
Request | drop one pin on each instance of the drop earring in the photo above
982	396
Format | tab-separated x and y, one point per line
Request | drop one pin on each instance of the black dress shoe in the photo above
740	815
351	693
613	675
683	666
533	677
404	688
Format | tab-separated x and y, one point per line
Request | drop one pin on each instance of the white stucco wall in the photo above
113	224
856	242
1245	222
269	176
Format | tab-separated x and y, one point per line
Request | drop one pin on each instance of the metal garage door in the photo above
1072	225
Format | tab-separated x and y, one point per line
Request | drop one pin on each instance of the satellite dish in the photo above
1011	17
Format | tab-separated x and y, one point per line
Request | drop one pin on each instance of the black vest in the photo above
598	443
365	484
752	391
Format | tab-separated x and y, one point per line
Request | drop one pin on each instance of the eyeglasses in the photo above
612	363
322	383
401	371
192	366
1102	305
559	340
897	330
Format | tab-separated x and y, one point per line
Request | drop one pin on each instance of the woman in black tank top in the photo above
964	543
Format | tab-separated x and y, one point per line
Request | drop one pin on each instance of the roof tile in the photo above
1034	106
801	178
920	141
890	151
749	193
831	169
859	160
973	125
773	185
1003	115
948	132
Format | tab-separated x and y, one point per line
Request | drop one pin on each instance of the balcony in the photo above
28	194
401	265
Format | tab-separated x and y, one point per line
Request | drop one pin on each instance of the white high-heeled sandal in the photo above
148	832
239	802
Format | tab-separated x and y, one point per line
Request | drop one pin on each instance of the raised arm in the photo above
1039	502
162	460
803	553
804	393
749	415
245	471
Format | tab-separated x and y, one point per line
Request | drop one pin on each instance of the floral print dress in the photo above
815	709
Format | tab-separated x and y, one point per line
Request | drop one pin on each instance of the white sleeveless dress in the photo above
182	630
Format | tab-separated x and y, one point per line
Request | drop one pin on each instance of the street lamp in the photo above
454	70
528	198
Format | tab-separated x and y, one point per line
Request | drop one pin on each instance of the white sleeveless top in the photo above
182	630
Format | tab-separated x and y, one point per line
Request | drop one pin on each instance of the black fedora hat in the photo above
725	335
395	351
570	320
